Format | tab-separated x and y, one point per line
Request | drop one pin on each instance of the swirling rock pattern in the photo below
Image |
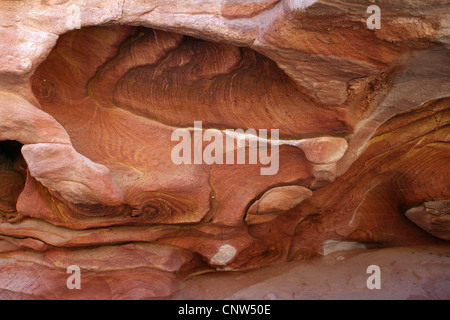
87	116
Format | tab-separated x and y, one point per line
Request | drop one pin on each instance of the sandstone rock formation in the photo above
91	93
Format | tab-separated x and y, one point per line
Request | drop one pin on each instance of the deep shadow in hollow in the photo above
12	177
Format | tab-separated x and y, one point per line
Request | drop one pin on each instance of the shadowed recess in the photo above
12	177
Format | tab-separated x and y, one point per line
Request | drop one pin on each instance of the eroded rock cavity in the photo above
87	176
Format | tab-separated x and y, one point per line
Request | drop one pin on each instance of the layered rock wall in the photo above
92	92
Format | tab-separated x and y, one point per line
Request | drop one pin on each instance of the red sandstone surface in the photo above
91	93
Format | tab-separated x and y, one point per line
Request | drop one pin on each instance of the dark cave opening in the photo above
12	177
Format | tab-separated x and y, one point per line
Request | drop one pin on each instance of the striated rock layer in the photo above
97	97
